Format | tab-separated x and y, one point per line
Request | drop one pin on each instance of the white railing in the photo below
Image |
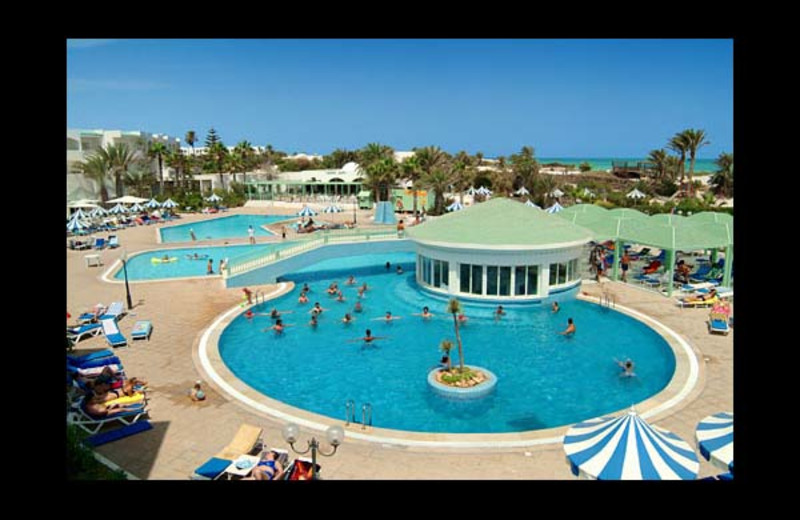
243	266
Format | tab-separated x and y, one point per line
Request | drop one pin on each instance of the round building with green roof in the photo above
499	250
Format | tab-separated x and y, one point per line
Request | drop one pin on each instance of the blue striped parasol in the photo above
555	208
169	203
214	198
76	224
627	448
119	209
332	209
152	203
306	212
137	208
97	212
522	191
715	439
530	203
456	206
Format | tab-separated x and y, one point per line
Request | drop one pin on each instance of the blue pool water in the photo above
141	267
545	379
234	226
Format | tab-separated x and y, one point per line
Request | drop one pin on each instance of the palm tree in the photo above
695	139
430	158
118	158
438	180
525	167
215	155
680	145
190	139
722	181
381	176
158	151
446	346
179	162
96	169
659	158
244	154
374	152
141	180
339	157
454	308
672	167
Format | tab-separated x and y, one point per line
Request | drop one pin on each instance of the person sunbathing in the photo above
268	468
98	409
698	298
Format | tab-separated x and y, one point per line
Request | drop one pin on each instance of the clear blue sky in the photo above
566	98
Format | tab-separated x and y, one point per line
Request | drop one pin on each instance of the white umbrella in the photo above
635	194
588	193
456	206
169	203
82	204
137	208
306	212
555	208
127	199
522	191
214	198
471	190
76	224
556	193
530	203
628	448
152	203
119	209
483	191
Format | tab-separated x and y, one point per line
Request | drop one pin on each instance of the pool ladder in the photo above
608	301
350	414
257	294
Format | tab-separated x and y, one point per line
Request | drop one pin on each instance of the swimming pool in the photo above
233	226
545	379
142	267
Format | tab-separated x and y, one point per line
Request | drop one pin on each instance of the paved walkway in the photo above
185	434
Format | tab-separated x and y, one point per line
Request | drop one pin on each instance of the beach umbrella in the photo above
635	194
97	212
76	224
306	212
119	209
471	190
556	193
214	198
522	191
555	208
152	203
127	199
169	203
628	448
79	214
456	206
531	204
715	439
136	207
483	191
588	193
333	208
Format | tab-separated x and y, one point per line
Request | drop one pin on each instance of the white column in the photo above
544	280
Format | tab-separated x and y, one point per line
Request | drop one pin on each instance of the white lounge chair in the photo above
75	334
112	333
80	418
115	310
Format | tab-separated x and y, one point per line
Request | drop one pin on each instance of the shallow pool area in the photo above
181	262
545	380
232	226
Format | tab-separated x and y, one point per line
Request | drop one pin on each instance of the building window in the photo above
437	273
562	274
573	269
553	275
533	280
445	273
505	280
477	279
491	280
464	272
519	280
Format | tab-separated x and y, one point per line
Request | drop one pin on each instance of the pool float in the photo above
162	261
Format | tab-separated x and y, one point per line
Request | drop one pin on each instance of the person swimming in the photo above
316	309
426	313
351	280
249	314
627	368
368	337
555	308
339	296
347	318
499	312
303	298
570	330
278	327
313	322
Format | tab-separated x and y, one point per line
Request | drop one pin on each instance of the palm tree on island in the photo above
454	308
695	139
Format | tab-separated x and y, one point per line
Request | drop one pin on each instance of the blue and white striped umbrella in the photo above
635	194
79	214
483	191
214	198
471	190
306	212
332	209
152	203
456	206
588	193
137	208
555	208
627	448
556	193
530	203
97	212
169	203
76	224
119	209
715	439
522	191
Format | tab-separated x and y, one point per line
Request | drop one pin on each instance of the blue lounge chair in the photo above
99	439
75	334
211	469
110	360
99	243
113	241
78	361
115	310
718	323
112	333
142	330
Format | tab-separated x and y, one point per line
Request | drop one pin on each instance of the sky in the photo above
566	98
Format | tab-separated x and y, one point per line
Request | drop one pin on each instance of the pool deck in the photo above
186	434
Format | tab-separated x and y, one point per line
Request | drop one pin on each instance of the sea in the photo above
604	163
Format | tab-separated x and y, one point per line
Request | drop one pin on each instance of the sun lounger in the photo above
718	323
698	303
81	418
115	310
98	439
112	333
81	361
142	330
244	442
97	311
96	371
300	469
113	241
99	243
75	334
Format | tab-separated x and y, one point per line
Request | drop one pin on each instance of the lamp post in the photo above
334	435
124	259
355	204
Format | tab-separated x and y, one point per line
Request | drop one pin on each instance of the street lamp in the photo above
355	203
334	435
124	259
